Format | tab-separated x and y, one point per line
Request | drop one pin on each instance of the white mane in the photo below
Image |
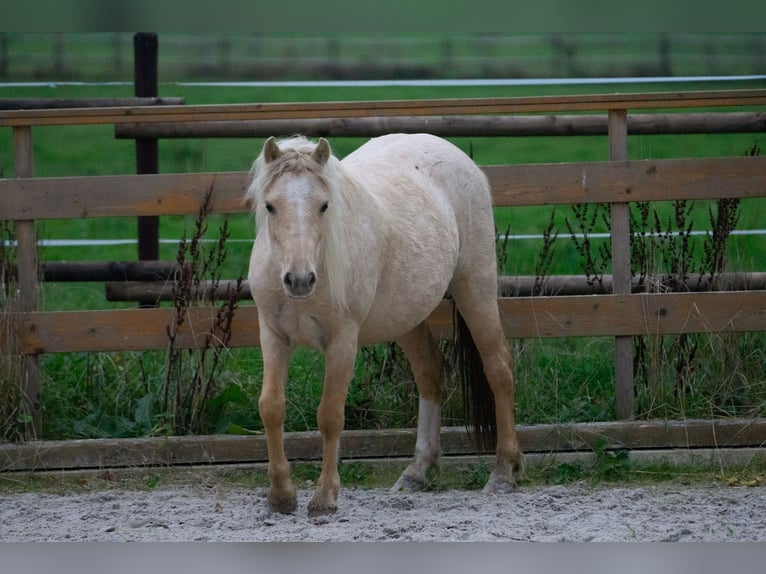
296	157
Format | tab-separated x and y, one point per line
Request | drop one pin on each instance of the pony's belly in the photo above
407	293
389	322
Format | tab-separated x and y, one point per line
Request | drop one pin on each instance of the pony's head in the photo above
297	202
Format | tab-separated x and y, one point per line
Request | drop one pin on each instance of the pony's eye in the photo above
270	208
324	207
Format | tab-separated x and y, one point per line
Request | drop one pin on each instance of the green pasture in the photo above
114	394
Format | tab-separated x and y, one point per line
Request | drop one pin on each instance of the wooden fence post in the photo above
26	236
621	275
147	152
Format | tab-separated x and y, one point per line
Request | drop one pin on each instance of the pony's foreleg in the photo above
339	368
282	495
426	361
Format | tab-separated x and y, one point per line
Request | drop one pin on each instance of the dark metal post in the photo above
147	155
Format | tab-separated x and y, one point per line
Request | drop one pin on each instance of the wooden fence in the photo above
620	314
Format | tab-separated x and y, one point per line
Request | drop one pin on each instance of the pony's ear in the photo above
322	152
271	150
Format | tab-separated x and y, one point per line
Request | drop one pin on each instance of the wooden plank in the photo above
455	126
131	330
523	318
512	185
122	195
651	434
639	314
360	444
644	180
67	103
431	107
524	285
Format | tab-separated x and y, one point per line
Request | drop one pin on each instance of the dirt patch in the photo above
657	512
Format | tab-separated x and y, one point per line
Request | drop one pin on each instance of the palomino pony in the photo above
360	251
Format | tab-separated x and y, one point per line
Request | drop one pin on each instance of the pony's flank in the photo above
297	158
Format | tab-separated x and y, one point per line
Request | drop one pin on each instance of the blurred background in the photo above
334	56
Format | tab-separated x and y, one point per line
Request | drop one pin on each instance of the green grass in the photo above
114	394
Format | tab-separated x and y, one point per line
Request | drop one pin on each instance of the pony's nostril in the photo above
311	279
289	279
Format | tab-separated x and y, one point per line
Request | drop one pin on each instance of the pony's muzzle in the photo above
299	285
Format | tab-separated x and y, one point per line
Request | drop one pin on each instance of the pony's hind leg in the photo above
426	361
480	312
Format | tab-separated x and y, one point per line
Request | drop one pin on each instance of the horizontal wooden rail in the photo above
625	181
122	271
366	444
121	195
428	107
160	287
524	317
455	126
638	314
512	185
69	103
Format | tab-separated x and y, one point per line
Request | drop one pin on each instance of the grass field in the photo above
115	394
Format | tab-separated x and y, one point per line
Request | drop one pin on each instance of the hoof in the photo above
499	484
408	484
285	504
317	508
323	503
314	512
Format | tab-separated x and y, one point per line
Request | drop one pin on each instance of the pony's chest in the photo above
299	326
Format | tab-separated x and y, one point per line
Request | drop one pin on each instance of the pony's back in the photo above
400	168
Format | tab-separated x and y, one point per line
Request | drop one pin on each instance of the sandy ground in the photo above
579	512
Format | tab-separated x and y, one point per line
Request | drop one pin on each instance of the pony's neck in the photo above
348	199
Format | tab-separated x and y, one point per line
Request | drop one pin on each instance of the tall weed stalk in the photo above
662	257
546	255
594	260
192	375
11	416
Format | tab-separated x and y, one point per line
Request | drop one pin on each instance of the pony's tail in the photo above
478	399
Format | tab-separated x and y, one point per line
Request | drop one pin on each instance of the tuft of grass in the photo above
104	394
559	380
